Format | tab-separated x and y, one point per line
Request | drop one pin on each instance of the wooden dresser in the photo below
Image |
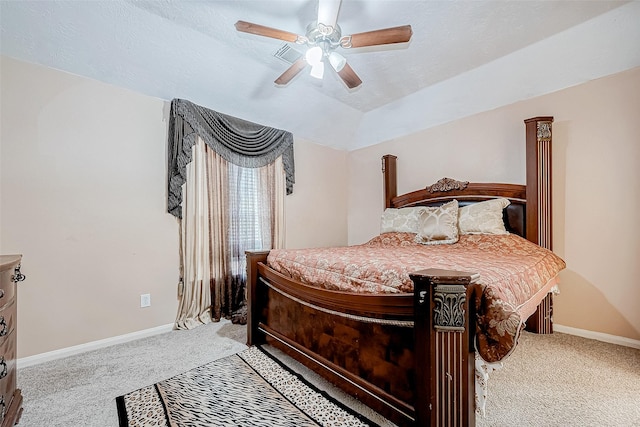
10	395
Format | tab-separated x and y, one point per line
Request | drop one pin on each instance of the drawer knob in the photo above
4	328
17	275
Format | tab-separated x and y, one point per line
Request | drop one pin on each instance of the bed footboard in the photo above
408	356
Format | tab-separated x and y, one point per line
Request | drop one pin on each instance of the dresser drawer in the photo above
7	321
7	286
7	371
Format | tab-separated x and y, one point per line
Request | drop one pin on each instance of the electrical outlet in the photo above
145	300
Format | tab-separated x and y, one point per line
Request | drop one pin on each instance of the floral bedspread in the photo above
515	275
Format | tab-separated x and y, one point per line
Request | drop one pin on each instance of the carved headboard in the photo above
448	189
528	215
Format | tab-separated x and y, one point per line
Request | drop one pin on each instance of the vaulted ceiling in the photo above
464	57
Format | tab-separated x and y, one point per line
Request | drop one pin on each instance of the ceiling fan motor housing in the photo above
321	35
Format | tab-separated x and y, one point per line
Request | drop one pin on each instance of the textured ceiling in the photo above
464	56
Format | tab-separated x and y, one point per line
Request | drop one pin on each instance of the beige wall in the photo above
596	137
317	210
83	195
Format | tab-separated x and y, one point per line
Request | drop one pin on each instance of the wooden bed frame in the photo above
396	353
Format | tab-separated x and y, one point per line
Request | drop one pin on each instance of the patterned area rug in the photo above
247	389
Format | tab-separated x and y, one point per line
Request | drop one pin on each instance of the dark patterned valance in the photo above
240	142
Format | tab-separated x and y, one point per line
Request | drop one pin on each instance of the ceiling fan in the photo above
323	37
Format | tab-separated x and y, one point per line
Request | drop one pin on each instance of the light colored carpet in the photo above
550	380
80	390
564	380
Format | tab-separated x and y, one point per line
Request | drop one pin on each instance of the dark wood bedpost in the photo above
538	226
253	258
538	149
390	183
445	382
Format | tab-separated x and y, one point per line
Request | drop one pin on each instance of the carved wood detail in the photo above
447	184
448	314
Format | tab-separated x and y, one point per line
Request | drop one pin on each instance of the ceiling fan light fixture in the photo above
317	70
314	56
337	61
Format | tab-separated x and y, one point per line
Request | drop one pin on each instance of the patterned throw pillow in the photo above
439	225
403	220
483	217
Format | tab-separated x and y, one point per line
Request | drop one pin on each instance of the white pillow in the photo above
438	225
483	217
400	220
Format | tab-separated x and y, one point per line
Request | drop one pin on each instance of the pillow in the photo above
404	220
438	225
483	217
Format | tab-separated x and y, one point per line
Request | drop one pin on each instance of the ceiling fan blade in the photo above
349	77
261	30
328	12
400	34
291	72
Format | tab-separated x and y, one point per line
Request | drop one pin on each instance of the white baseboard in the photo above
612	339
93	345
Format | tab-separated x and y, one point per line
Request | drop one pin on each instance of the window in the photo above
243	183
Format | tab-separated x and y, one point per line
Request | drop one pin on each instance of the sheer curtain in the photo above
226	210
